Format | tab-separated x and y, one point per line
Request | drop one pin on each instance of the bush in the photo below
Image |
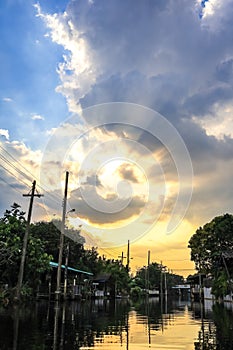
136	292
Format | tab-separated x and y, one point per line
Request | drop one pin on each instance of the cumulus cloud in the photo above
88	213
19	167
5	133
37	117
169	64
127	172
7	99
172	56
93	180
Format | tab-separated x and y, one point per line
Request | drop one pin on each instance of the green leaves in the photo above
207	247
12	230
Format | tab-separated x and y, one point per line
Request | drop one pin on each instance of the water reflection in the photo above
216	330
119	324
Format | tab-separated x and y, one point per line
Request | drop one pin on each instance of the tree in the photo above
12	229
150	277
119	275
208	246
49	233
141	278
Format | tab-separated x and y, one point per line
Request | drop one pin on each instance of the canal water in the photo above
117	325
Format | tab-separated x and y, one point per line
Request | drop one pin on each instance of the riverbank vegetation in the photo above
212	251
43	248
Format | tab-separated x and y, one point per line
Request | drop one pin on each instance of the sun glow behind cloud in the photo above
177	60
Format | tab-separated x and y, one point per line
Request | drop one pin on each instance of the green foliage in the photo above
136	292
119	274
12	230
49	234
207	247
4	297
220	285
210	241
152	276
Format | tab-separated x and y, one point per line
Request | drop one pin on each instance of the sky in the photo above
134	100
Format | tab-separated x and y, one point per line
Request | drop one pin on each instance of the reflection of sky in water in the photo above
177	330
117	325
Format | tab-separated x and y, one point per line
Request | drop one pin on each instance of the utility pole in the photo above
127	265
148	277
165	282
58	290
66	270
31	194
161	279
122	258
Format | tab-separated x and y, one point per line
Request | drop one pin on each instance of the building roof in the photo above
102	278
228	254
53	264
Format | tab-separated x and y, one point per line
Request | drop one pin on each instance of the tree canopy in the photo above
209	246
12	230
43	248
153	277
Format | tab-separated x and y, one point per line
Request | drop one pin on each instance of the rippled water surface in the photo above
119	324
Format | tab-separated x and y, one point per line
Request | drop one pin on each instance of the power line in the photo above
24	174
183	269
15	160
13	175
14	188
179	260
14	167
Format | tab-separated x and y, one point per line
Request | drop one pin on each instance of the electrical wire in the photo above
25	174
13	175
3	180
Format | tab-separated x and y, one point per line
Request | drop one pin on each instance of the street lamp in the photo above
70	211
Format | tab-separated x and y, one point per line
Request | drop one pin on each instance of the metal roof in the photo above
228	254
53	264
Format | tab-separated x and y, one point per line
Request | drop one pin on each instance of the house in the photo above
75	289
103	286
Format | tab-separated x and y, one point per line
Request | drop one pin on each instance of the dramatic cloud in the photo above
174	57
127	172
88	213
177	59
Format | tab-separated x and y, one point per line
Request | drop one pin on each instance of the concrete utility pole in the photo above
161	279
66	269
31	194
58	290
148	277
127	265
122	257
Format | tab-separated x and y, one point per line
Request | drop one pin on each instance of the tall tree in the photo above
208	246
49	233
12	229
153	275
